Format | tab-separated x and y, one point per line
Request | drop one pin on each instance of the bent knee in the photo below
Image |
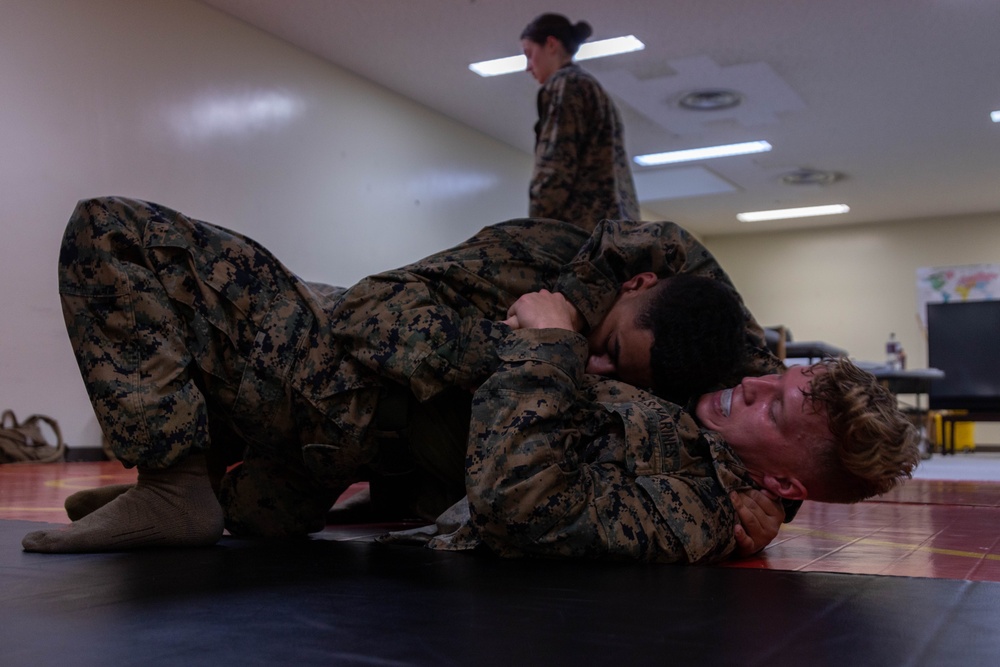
100	232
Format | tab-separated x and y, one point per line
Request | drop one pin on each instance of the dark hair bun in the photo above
556	25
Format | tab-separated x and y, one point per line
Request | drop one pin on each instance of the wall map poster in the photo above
946	284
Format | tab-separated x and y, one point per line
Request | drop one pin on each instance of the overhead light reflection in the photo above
218	115
450	185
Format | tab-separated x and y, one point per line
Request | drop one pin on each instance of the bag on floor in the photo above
27	443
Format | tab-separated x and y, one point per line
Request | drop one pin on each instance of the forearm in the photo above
553	178
395	325
557	152
616	252
530	490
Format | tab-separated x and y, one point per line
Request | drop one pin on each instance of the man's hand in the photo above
544	310
761	515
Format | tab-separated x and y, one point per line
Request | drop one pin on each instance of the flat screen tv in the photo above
963	340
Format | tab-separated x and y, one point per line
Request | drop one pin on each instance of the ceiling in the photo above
893	95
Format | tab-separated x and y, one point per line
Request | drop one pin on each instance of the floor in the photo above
817	596
978	466
945	523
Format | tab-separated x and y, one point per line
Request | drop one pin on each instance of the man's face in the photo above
768	420
619	348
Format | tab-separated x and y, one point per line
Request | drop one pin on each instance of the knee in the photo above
95	221
100	230
78	229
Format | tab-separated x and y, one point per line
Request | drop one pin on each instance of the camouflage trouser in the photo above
179	326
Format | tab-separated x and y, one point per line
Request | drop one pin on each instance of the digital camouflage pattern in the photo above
568	464
193	337
582	172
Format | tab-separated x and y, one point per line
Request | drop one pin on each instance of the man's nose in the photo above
600	365
754	388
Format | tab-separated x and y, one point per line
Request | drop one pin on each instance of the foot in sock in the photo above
172	507
82	503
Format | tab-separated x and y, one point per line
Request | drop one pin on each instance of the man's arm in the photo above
760	519
552	472
434	324
760	514
561	129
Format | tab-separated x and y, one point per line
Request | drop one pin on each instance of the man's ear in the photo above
640	281
786	487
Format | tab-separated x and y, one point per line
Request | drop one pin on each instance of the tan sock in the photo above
172	507
82	503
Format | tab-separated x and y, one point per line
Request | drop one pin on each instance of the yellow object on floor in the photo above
963	434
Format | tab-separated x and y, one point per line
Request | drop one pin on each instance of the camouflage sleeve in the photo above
435	323
615	252
562	128
548	473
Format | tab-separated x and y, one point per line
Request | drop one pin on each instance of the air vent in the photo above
710	100
810	177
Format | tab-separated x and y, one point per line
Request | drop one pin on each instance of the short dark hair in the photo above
556	25
698	335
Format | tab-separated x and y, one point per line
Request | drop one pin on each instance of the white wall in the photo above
852	286
171	101
339	177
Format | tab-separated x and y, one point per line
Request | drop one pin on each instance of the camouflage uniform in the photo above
189	334
582	172
567	464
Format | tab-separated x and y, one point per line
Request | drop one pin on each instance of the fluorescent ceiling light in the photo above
781	214
609	47
598	49
702	153
500	66
995	115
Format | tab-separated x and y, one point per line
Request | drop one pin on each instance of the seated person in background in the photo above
194	341
566	464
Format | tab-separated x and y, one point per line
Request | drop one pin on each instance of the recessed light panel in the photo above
706	153
781	214
599	49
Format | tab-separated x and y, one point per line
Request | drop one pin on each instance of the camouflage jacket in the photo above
581	173
436	324
573	465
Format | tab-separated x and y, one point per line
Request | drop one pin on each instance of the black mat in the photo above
343	603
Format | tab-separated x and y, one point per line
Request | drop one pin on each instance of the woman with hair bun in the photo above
581	173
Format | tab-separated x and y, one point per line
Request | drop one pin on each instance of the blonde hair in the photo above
874	446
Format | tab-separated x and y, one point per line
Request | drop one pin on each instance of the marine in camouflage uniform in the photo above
582	172
188	335
566	464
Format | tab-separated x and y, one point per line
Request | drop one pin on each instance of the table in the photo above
916	381
813	350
